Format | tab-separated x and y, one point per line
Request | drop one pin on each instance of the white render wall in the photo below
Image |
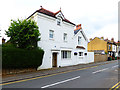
46	23
114	48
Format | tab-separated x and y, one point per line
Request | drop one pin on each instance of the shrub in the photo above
115	58
8	44
14	58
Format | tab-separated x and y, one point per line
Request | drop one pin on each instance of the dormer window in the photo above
58	21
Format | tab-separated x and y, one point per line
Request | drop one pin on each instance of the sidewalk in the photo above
28	75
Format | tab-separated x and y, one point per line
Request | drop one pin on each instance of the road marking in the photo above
46	75
100	70
115	66
115	86
60	82
49	75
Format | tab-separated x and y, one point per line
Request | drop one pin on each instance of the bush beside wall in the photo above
15	58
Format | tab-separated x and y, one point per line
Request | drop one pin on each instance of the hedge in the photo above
15	58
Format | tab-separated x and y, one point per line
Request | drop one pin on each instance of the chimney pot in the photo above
102	38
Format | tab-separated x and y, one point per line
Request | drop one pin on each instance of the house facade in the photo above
97	44
109	46
59	41
118	49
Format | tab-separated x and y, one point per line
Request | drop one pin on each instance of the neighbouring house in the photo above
118	49
112	48
62	44
108	46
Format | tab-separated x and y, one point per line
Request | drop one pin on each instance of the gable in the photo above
80	31
97	40
59	14
97	44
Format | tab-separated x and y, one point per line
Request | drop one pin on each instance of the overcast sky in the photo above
98	17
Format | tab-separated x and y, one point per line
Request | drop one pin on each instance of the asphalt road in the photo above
103	76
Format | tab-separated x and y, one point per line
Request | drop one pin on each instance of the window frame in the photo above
109	47
59	21
65	37
65	54
51	34
79	40
81	55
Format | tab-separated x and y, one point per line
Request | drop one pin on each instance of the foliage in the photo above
8	44
23	33
106	53
21	58
115	58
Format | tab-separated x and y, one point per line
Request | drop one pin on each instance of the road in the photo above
102	76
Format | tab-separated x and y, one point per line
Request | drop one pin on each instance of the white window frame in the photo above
65	37
81	55
79	40
51	32
58	21
65	54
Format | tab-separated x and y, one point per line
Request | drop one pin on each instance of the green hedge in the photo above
21	58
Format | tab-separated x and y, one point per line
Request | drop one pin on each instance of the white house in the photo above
62	45
114	49
118	49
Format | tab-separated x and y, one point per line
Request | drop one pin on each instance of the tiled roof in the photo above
52	14
76	31
47	12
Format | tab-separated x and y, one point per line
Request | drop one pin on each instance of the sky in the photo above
99	18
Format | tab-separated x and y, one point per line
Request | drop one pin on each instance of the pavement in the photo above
97	75
39	73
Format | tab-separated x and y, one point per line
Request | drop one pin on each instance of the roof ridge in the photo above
50	13
57	12
47	10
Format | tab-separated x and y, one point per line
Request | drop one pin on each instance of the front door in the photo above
54	59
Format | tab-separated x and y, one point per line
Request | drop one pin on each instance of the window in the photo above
85	54
65	37
79	40
80	53
51	34
58	21
65	54
109	47
114	47
75	53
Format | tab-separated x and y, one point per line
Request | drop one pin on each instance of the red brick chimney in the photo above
112	39
102	38
78	27
106	39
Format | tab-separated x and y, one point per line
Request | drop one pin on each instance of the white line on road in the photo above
60	82
100	70
115	66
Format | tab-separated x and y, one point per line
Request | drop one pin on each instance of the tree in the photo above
23	33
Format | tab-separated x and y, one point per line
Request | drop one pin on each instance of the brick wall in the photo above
100	58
